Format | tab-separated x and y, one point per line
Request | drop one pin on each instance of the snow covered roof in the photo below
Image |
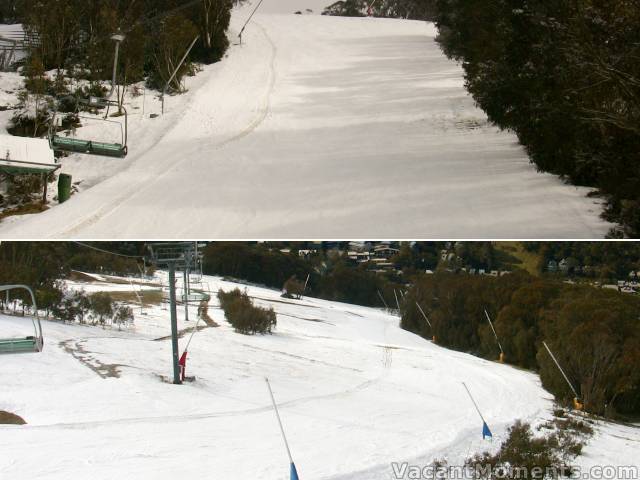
35	152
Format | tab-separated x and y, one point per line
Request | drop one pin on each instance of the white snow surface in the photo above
355	391
317	127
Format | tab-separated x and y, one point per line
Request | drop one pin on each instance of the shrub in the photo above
243	316
293	288
531	457
7	418
123	315
101	306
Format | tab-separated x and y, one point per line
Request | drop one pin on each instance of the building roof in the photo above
26	153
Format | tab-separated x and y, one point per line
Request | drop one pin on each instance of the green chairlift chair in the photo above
72	144
27	344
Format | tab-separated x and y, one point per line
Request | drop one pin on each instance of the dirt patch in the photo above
316	320
181	333
203	313
283	301
81	277
130	281
77	350
87	277
28	209
148	297
7	418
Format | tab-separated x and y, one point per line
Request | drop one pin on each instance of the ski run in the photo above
315	126
356	393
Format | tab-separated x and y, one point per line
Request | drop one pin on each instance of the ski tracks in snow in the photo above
170	164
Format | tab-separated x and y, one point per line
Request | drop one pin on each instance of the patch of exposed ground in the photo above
76	348
8	418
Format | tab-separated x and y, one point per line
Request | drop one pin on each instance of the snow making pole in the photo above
495	335
433	338
395	294
576	400
305	283
382	298
424	315
175	72
248	20
174	323
293	470
485	428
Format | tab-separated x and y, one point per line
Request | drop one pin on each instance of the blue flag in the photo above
294	472
485	431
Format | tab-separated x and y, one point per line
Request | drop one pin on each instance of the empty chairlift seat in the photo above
26	344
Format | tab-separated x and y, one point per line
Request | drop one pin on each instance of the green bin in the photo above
64	187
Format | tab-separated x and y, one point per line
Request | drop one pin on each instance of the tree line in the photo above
410	9
593	332
330	275
565	77
72	50
76	35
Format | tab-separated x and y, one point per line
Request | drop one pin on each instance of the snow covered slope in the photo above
322	127
356	393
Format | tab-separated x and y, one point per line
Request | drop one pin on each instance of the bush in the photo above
243	316
7	418
123	315
293	288
101	306
528	456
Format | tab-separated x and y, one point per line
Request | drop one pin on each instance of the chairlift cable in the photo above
107	251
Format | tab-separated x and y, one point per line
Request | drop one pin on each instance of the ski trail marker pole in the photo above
294	472
485	428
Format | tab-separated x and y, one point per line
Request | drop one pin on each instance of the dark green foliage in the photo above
253	263
347	8
172	40
243	316
293	288
75	36
593	333
524	455
605	260
42	263
23	189
565	77
122	315
101	306
331	277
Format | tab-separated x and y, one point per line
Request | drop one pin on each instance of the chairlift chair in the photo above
90	147
32	343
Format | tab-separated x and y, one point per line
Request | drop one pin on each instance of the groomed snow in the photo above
356	393
319	127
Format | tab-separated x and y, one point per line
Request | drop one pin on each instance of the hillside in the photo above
356	394
318	126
